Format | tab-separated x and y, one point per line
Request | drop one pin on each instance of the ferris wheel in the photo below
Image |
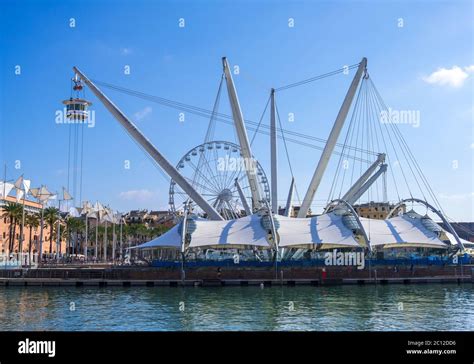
217	170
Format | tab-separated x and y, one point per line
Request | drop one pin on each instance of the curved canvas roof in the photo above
323	229
453	241
246	231
327	230
170	239
400	230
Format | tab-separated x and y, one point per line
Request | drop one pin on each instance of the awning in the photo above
452	240
244	232
400	231
170	239
306	232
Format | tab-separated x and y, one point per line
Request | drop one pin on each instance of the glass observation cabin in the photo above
77	109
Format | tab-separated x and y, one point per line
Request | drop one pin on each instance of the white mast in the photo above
289	200
242	135
358	184
331	142
273	154
151	149
357	194
247	209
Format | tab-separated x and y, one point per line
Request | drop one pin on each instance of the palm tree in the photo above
51	215
32	221
63	233
13	211
74	226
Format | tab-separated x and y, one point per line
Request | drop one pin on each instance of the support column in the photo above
273	154
136	134
242	136
331	142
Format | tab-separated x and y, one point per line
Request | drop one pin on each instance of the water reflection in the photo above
410	307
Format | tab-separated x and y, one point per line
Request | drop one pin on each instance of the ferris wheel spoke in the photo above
223	173
201	186
216	166
239	179
214	178
197	173
235	172
215	188
219	172
211	174
204	187
230	181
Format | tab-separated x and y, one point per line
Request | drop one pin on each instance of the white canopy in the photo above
246	231
5	187
453	241
323	229
401	231
170	239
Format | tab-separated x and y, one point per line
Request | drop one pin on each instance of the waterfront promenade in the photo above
236	276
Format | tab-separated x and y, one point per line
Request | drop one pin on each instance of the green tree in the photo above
32	221
13	211
51	216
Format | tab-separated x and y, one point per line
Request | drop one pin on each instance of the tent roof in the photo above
453	241
170	239
246	231
323	229
401	231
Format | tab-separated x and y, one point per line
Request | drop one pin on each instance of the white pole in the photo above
289	200
357	194
273	154
245	204
183	239
96	237
113	239
331	142
87	240
22	237
105	243
41	233
358	184
242	135
121	241
58	242
133	131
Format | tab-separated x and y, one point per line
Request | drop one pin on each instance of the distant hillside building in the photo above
149	218
377	210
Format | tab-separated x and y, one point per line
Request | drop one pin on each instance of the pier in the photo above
232	277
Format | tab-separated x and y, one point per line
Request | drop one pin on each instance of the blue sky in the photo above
425	65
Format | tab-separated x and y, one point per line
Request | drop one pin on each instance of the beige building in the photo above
31	234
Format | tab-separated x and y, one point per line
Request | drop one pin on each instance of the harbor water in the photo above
342	308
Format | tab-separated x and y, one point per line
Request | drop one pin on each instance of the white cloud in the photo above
142	195
141	114
469	69
453	77
125	51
